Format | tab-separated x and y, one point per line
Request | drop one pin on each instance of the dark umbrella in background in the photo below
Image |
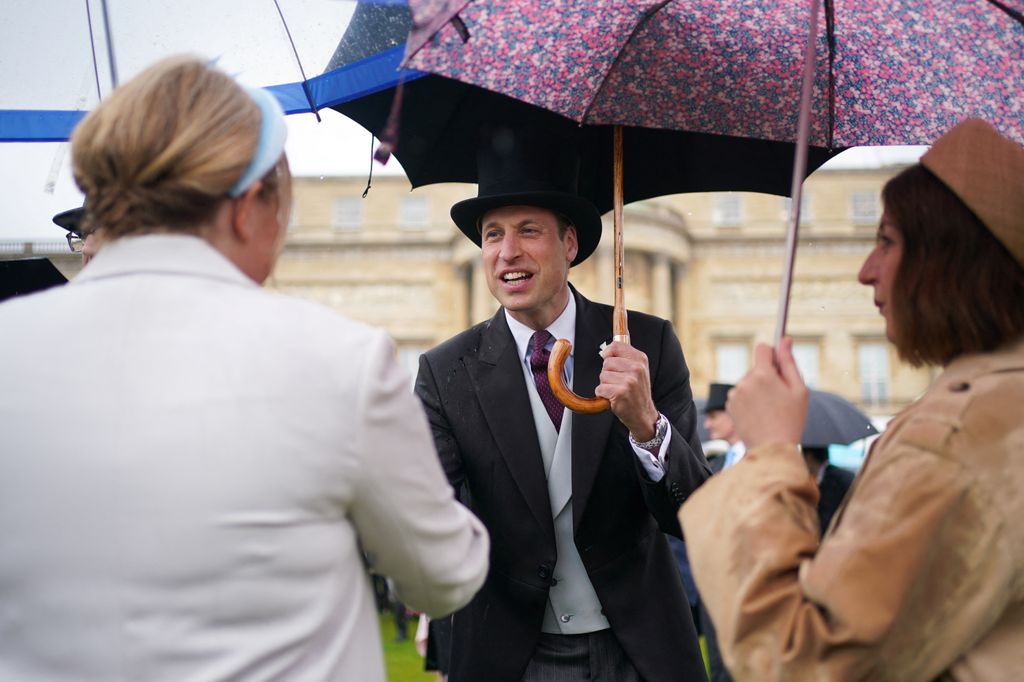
833	420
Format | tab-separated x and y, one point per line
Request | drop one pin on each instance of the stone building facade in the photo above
711	263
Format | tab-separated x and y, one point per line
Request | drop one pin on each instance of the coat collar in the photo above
162	253
966	368
500	388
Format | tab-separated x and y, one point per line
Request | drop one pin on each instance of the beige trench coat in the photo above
921	574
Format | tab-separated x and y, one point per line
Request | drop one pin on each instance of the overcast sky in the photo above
37	183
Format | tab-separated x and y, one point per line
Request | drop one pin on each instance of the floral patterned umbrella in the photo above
895	72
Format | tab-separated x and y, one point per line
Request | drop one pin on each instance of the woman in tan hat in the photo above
921	574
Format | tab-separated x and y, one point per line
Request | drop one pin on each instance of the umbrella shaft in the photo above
620	328
799	168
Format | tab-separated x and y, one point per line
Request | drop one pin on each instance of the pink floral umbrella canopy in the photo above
896	72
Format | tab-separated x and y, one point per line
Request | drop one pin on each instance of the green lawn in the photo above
404	663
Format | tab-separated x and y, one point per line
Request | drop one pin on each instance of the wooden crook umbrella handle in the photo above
620	329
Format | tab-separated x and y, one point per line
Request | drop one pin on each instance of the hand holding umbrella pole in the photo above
620	330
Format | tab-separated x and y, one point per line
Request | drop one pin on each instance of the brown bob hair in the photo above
957	289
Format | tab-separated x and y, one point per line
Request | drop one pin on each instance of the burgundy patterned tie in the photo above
539	365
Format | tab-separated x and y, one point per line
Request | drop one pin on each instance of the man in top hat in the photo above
82	241
582	582
719	426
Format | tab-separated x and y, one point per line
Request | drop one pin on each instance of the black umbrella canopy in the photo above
832	419
439	122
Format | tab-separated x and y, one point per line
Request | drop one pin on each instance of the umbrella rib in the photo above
830	36
1009	10
92	46
604	79
302	71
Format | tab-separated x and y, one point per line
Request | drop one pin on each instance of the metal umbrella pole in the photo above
799	168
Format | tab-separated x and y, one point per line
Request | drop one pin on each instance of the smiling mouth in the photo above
516	277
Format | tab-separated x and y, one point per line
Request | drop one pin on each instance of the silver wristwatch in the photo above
660	431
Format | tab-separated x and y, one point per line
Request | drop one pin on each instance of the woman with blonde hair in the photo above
921	573
191	492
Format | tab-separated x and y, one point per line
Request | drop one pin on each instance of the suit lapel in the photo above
499	383
590	432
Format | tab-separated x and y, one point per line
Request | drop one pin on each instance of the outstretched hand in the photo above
626	383
769	404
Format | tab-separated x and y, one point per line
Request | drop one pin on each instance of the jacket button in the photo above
543	571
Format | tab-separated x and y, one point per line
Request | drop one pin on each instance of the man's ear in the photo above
572	245
241	212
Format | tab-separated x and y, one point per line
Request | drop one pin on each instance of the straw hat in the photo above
986	171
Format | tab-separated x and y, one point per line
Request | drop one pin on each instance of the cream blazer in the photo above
921	574
191	470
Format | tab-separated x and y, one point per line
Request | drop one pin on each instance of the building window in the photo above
864	208
806	355
731	360
414	212
805	208
873	367
728	210
347	214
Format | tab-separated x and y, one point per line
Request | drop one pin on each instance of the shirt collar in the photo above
564	327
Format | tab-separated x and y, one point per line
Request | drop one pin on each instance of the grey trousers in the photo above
594	657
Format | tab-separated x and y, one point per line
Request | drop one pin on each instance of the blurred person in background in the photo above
85	242
190	493
921	575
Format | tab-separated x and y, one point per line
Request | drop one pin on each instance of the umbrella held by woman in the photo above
921	574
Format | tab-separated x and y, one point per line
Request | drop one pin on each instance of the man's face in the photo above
526	262
719	426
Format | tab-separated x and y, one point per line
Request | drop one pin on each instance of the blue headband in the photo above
270	146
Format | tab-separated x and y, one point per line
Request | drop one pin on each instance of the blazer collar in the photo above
499	384
162	253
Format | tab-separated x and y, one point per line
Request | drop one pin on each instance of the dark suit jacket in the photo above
475	396
834	484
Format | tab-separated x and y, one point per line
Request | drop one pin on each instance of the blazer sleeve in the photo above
915	571
685	466
409	523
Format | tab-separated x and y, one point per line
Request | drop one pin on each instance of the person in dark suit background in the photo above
582	582
833	482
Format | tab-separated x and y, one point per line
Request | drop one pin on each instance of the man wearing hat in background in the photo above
719	426
582	584
82	241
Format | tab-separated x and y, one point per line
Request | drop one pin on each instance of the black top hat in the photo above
71	220
717	395
529	168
